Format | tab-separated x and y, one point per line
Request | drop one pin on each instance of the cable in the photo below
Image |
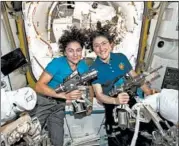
38	63
114	139
69	129
101	125
117	140
10	84
134	139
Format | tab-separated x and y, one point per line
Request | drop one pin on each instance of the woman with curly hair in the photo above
112	67
51	111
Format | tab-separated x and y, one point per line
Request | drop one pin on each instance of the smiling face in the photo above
102	47
73	52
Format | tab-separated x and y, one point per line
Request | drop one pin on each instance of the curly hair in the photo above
72	35
100	31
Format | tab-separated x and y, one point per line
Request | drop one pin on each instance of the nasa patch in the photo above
121	66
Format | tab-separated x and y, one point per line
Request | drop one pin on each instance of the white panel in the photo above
169	49
167	34
168	28
17	80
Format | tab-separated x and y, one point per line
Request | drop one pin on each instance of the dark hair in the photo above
100	31
72	35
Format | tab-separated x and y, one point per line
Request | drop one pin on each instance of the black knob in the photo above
3	143
160	44
95	5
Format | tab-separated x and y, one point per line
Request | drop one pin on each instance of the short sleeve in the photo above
52	68
96	80
82	67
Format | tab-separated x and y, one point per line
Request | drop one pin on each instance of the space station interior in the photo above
146	32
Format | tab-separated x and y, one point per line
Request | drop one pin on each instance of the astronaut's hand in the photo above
122	98
73	95
68	102
89	110
153	91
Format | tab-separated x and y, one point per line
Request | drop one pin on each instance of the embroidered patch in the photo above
121	66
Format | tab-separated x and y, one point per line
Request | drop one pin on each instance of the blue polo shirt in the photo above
59	69
117	67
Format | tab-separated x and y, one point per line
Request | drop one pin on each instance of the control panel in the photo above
171	78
